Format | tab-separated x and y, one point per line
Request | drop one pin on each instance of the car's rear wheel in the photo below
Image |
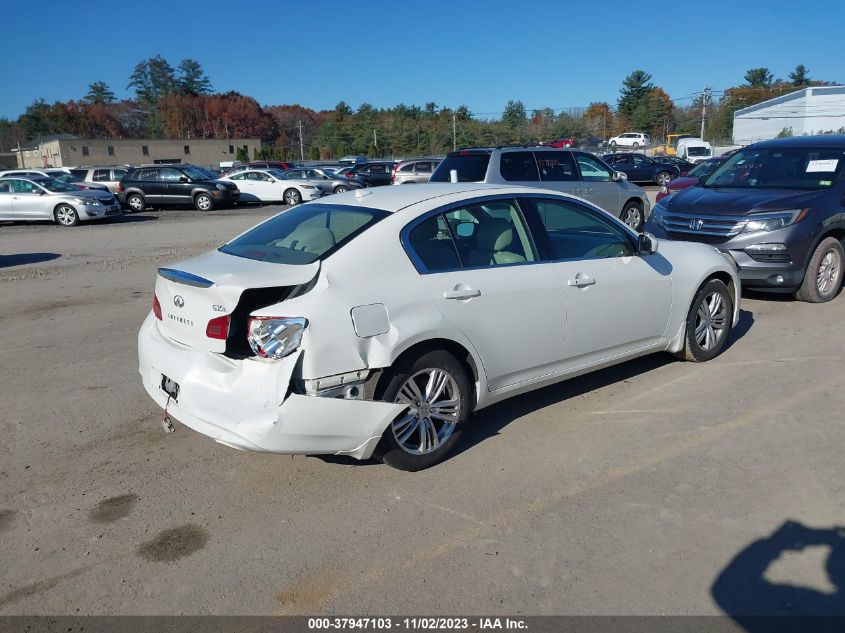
292	196
823	277
633	215
66	215
341	189
203	202
635	145
663	178
436	389
135	202
708	323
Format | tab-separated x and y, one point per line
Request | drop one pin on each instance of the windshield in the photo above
780	168
63	176
55	184
698	151
471	167
702	170
303	234
197	173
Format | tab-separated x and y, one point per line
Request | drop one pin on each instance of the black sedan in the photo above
677	161
641	168
373	174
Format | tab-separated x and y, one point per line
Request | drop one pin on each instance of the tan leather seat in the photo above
494	244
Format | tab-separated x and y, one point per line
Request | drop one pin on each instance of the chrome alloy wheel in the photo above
828	272
632	217
66	215
710	321
433	400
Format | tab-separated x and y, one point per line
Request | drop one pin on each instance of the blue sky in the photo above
480	53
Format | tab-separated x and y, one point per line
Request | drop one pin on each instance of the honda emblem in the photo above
696	225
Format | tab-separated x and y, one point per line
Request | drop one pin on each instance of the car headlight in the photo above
275	337
221	187
774	221
657	216
308	186
86	201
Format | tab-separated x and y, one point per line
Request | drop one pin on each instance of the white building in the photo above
809	111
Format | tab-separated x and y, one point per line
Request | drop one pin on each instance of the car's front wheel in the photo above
663	178
708	322
633	215
341	189
203	202
66	215
824	272
292	196
613	145
436	391
635	146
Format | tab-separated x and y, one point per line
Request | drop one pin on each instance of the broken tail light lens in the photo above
275	337
157	308
218	328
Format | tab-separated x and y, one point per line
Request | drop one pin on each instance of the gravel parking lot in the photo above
634	490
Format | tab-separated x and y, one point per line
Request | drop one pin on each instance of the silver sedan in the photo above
330	181
47	199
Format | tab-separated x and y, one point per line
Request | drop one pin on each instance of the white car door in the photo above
6	200
264	186
616	300
249	187
483	273
30	202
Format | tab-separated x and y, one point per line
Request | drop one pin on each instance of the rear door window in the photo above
592	169
471	167
432	248
423	168
556	166
519	167
101	175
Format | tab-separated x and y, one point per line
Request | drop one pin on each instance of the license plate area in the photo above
170	387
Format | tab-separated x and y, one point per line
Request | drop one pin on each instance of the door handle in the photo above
581	281
462	293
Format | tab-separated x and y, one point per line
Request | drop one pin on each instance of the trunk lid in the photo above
195	291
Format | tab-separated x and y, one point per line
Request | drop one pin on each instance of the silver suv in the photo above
578	173
414	171
108	176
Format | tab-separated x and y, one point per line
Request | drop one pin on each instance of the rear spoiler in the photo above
181	277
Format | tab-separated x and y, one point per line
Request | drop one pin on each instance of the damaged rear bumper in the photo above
245	403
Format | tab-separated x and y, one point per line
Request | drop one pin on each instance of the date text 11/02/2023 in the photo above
417	623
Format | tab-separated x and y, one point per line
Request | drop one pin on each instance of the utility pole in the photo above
454	131
375	139
705	97
301	143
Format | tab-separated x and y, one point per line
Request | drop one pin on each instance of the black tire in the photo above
390	450
65	215
613	145
663	178
635	146
341	189
136	202
203	202
694	350
292	197
823	277
633	215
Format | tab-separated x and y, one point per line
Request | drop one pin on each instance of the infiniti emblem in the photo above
696	225
178	301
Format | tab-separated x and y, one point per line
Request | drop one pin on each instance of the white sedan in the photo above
376	324
271	185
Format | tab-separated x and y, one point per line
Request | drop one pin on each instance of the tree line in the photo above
180	103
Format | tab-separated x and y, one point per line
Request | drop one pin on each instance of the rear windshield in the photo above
698	151
471	167
304	234
780	168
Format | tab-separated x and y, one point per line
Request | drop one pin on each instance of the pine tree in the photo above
99	92
758	78
800	76
192	79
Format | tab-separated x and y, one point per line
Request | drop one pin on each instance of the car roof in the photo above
393	199
819	140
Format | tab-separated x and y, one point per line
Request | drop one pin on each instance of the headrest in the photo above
494	235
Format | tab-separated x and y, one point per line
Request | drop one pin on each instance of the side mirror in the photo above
619	175
646	244
183	179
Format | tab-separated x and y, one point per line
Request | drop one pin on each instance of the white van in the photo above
694	150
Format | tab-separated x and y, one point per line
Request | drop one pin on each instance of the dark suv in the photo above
640	168
778	209
164	185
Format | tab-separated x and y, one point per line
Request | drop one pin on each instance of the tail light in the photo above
157	308
275	337
218	328
120	187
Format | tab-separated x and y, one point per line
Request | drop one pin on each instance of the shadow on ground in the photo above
23	259
762	604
